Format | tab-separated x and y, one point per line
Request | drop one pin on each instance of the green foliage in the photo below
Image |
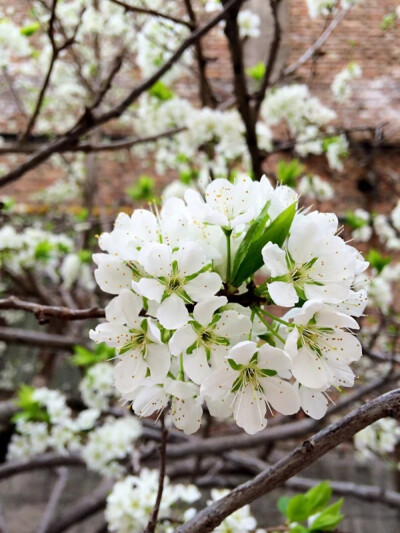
248	258
6	203
257	72
43	251
354	221
143	189
30	409
30	29
82	215
85	256
86	358
388	21
288	172
377	260
161	91
187	176
311	507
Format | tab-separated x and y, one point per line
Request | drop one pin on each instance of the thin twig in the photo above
152	12
55	496
151	526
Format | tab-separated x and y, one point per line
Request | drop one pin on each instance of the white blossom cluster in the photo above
104	444
378	439
381	287
315	188
341	85
132	499
97	387
325	7
45	253
192	285
388	228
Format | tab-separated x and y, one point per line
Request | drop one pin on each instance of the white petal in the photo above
112	275
219	383
149	399
203	286
242	352
149	288
113	334
275	260
125	308
172	313
156	259
158	360
182	339
313	402
221	407
191	258
130	372
187	415
233	326
204	311
249	410
309	370
283	293
281	395
196	366
181	389
273	358
332	292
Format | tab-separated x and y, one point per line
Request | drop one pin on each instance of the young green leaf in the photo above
319	496
298	508
257	72
283	503
250	258
329	518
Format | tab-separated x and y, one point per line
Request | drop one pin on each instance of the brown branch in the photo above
87	147
317	44
56	493
151	526
206	94
387	405
88	122
45	461
84	509
37	338
152	12
43	312
272	57
240	87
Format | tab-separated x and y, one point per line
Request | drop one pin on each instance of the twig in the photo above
55	496
387	405
47	460
37	338
151	526
152	12
43	312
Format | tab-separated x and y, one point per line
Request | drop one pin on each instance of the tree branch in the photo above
152	12
55	496
387	405
45	461
37	338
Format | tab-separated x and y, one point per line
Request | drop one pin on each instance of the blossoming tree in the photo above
226	303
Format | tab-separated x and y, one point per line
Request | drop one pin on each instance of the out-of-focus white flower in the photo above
249	24
316	188
341	85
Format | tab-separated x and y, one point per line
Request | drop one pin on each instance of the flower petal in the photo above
182	339
249	411
281	395
275	260
203	286
149	288
172	313
196	365
129	372
283	293
158	360
204	311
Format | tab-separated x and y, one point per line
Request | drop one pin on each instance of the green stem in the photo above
228	233
276	318
269	326
181	372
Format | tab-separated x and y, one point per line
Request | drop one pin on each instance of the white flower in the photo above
175	278
227	205
97	387
316	188
341	87
313	401
321	348
137	339
250	380
249	24
313	265
239	521
206	337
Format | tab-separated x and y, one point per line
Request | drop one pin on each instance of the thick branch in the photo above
37	338
48	460
305	454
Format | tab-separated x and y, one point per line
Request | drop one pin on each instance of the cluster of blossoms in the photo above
190	319
380	289
132	499
341	85
378	439
388	228
97	387
45	253
325	7
47	424
315	188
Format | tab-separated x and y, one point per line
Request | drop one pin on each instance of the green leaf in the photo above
283	503
254	233
257	72
161	91
298	508
288	172
250	259
30	29
329	518
319	496
143	189
43	250
85	358
377	260
388	21
299	529
354	221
